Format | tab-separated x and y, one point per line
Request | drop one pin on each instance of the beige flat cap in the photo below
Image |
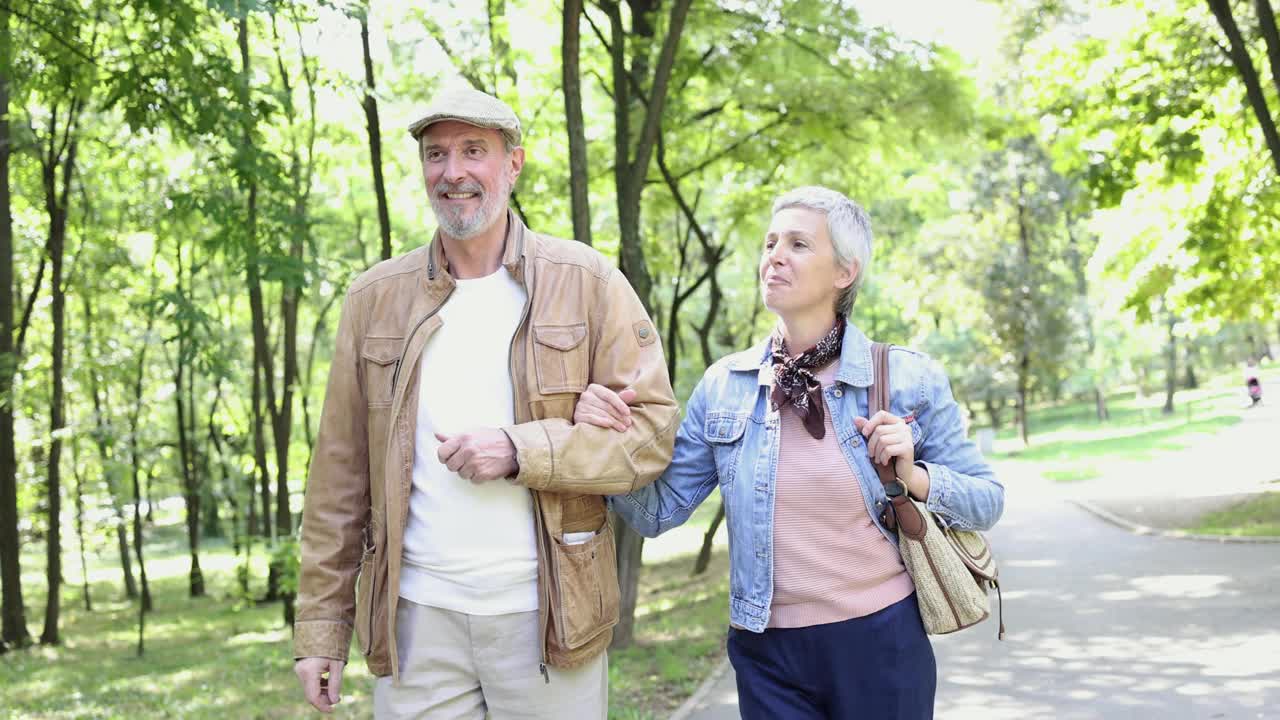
473	108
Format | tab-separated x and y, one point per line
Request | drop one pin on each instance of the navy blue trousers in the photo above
878	667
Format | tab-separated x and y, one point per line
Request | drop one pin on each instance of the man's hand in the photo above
321	691
479	455
604	408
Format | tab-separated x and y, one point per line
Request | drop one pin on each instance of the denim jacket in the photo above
729	437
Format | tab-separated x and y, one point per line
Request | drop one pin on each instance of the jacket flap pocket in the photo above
382	350
724	427
560	337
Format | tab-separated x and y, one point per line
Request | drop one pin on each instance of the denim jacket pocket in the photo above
723	430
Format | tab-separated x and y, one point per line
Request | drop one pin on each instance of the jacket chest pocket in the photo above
724	432
380	356
560	358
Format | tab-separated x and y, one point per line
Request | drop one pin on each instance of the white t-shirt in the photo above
469	547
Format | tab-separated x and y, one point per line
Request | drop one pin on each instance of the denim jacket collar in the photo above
855	359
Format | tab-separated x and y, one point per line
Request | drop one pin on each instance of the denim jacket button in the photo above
838	392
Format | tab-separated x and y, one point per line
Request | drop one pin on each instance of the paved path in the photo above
1106	624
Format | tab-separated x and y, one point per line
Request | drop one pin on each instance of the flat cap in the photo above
473	108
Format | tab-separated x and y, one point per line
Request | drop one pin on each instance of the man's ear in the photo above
517	164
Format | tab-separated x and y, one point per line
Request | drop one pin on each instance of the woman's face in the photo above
798	270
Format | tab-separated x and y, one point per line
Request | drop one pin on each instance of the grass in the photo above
1254	517
1069	444
220	657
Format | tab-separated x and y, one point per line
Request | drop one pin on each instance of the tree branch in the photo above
658	98
1239	54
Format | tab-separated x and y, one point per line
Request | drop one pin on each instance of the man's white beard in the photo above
453	221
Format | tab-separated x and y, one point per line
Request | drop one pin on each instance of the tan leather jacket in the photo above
582	323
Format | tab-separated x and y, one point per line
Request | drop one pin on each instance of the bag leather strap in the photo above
900	514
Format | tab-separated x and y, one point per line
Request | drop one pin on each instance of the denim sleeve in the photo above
963	490
687	481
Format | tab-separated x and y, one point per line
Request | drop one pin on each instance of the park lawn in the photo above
220	657
1253	517
1068	444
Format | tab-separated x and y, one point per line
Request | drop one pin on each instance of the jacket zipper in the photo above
395	374
395	381
544	601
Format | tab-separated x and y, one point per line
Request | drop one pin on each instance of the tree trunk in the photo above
135	462
708	539
184	400
630	548
630	173
1024	372
1171	370
263	374
1100	404
126	562
105	454
1191	382
575	126
994	410
13	615
79	497
370	104
56	203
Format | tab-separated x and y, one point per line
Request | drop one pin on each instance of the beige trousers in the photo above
455	666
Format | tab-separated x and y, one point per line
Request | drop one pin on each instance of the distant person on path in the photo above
1252	383
824	620
448	476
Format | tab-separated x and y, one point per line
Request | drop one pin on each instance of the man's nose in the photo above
453	171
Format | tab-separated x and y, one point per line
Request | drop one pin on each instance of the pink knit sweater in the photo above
830	562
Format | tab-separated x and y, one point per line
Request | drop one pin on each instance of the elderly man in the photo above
448	475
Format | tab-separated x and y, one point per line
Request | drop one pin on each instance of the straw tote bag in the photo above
952	569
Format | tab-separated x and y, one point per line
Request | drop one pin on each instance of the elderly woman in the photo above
823	615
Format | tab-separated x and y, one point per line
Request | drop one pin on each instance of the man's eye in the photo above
434	155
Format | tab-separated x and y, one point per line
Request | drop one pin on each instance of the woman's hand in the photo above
602	407
889	438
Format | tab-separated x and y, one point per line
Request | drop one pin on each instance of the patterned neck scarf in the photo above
794	382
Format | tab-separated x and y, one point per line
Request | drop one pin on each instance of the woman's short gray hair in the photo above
850	230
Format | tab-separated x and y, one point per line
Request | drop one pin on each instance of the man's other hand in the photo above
479	455
321	680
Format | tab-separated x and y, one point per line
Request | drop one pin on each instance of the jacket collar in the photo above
514	250
855	359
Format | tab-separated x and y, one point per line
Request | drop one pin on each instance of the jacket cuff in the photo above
533	454
321	638
939	485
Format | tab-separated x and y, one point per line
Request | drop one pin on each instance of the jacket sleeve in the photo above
558	456
687	481
337	507
963	489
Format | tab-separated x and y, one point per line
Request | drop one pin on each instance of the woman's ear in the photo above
847	274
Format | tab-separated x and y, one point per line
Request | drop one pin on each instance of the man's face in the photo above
469	176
